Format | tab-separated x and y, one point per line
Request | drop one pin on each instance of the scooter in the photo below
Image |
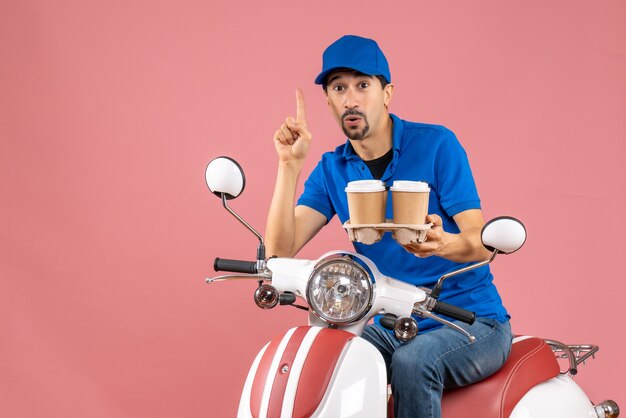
325	369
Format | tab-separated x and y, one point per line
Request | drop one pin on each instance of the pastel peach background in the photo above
110	110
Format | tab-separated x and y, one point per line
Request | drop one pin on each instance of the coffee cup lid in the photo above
410	186
364	186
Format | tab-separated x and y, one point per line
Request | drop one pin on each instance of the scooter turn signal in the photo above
405	329
266	296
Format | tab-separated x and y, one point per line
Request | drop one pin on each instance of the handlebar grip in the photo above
455	312
238	266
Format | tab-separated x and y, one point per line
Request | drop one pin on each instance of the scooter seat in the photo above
530	362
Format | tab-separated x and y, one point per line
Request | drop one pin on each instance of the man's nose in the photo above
350	99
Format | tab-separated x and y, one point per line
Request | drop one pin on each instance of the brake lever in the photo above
422	312
241	276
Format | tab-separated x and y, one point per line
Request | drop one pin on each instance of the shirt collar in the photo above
396	138
398	132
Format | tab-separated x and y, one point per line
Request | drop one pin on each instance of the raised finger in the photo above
300	107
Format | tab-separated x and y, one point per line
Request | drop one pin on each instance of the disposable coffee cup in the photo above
410	202
366	201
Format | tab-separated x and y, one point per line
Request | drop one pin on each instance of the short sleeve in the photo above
316	194
455	182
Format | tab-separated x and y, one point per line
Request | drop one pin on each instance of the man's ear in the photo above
388	94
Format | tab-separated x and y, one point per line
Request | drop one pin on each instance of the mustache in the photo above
352	112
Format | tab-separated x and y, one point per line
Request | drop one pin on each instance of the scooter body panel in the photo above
559	397
244	410
301	374
359	385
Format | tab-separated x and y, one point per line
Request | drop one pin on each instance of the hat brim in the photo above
321	78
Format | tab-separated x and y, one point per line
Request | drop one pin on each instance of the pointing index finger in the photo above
300	107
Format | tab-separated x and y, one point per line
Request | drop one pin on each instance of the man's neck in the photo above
377	145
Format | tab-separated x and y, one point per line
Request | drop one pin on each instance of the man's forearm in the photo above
280	227
463	247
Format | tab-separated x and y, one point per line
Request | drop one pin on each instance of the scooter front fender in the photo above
315	372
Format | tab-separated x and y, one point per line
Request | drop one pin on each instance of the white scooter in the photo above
326	370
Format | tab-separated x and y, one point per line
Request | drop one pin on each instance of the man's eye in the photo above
364	85
338	88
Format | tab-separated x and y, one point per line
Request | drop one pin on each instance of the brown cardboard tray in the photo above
372	233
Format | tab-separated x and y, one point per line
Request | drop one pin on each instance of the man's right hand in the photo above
293	139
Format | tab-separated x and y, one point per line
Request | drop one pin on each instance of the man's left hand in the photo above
435	239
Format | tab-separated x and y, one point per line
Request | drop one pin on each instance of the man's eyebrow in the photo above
333	78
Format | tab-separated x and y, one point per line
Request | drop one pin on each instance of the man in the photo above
357	84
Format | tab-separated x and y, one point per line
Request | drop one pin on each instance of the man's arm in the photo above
288	229
463	247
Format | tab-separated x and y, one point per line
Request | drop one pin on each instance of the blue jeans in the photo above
421	369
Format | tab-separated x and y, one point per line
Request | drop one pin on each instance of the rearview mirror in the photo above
505	234
224	176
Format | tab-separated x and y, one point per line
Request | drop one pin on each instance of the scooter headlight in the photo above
339	291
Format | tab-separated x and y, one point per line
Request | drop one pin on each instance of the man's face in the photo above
359	102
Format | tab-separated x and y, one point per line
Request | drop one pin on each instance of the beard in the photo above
354	132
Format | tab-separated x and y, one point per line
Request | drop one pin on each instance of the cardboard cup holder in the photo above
372	233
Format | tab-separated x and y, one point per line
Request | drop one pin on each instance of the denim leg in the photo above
443	358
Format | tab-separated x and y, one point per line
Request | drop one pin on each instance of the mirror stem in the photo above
437	289
246	224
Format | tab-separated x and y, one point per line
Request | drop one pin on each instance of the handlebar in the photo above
238	266
455	312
